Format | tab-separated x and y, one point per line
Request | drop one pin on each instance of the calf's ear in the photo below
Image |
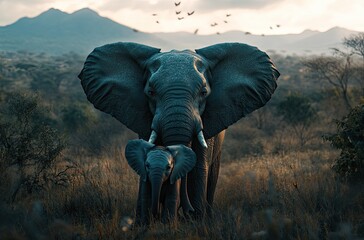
136	154
184	161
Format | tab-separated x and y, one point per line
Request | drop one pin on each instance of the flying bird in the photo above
180	18
278	25
190	13
247	33
154	14
177	4
217	33
213	24
196	31
157	21
228	15
178	12
225	21
271	27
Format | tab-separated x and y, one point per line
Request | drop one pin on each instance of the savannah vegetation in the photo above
293	169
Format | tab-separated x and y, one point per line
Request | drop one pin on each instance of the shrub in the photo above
28	142
349	138
76	116
299	114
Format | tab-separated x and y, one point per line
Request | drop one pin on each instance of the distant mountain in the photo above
306	43
57	32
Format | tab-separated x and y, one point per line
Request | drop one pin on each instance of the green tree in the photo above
356	45
349	138
28	142
299	114
336	70
76	116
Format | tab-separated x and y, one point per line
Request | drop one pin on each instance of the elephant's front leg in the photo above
184	198
197	179
214	168
171	201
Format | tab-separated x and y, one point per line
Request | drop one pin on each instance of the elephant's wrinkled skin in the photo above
160	170
180	97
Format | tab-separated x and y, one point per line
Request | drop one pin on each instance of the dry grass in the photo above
294	194
289	196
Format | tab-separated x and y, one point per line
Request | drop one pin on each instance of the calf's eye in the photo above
151	93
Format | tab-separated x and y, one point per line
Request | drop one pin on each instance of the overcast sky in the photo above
255	16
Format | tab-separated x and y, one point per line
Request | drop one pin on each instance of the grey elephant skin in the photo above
181	97
160	170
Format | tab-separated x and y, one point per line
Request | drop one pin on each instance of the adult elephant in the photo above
181	97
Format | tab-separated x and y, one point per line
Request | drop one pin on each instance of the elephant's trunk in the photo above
156	179
178	125
142	216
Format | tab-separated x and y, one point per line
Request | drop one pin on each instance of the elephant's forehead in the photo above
178	66
159	155
182	59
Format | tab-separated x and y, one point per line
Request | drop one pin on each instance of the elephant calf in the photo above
160	170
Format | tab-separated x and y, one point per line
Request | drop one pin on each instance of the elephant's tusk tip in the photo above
202	140
153	137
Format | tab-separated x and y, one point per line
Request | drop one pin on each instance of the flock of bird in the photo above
178	13
181	16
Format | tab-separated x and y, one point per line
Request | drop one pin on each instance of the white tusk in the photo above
153	137
201	139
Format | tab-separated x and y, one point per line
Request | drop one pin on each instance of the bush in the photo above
296	110
298	113
76	116
349	138
29	145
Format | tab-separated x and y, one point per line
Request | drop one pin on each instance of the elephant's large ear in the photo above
243	78
184	161
113	80
136	154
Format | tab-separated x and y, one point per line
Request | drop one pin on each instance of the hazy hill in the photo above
307	42
57	32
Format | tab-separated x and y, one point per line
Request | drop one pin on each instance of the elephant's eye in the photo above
147	165
151	92
204	92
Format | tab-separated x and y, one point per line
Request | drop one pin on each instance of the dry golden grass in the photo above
284	192
289	196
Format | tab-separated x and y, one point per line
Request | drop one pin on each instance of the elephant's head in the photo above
158	164
178	95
